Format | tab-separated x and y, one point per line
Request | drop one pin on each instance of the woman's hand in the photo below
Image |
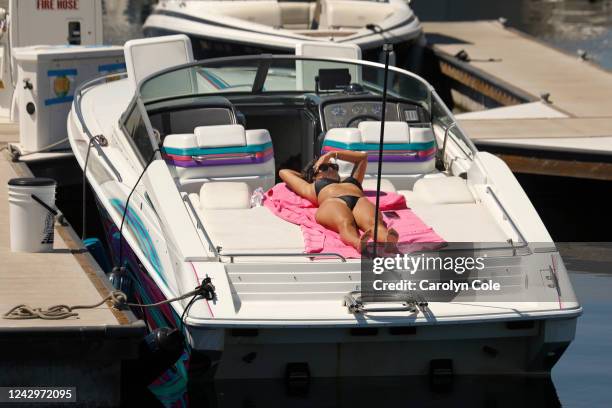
326	158
359	159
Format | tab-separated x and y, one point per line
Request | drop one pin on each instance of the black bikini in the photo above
351	201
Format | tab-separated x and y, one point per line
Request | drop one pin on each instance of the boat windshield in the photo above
267	74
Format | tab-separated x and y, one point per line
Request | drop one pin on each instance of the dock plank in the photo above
510	68
536	127
577	87
42	280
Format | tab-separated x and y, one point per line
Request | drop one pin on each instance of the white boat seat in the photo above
221	153
385	185
296	15
264	12
353	13
406	151
395	132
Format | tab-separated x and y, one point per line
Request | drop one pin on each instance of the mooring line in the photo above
116	297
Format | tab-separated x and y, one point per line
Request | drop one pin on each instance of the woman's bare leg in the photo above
364	217
336	216
391	241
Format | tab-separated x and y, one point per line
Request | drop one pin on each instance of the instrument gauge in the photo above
358	109
338	111
377	109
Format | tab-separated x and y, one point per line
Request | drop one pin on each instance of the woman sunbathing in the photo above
343	206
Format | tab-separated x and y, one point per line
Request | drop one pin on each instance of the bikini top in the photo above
324	182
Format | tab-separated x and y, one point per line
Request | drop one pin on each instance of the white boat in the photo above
225	126
223	28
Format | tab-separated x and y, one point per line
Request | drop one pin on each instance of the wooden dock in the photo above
568	135
85	351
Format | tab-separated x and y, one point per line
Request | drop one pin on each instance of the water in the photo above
583	377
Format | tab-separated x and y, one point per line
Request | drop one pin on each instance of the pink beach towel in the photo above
297	210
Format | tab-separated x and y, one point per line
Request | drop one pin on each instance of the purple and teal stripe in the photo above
393	152
220	156
170	388
135	224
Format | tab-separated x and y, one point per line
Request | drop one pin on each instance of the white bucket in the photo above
31	224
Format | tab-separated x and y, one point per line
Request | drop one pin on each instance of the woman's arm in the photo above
360	159
295	182
350	156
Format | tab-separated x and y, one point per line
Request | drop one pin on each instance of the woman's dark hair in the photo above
308	172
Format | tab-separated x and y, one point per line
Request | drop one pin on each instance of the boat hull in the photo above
465	349
409	55
212	39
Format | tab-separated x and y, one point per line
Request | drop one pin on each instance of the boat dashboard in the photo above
350	113
346	111
331	111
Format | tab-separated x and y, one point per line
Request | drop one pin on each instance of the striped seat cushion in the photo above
395	152
221	153
219	156
401	143
223	145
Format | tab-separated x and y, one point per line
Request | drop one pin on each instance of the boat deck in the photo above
508	68
68	275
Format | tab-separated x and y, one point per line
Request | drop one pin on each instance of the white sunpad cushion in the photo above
225	195
469	222
385	185
443	190
252	230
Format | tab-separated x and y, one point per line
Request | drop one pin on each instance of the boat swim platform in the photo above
86	351
549	111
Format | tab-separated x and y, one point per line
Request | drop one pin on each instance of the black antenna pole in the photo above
387	48
127	204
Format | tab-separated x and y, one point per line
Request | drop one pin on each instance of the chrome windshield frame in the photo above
266	59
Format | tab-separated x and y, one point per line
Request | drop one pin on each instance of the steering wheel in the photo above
360	118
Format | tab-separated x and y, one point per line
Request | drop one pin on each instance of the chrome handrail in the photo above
355	304
200	226
462	136
297	255
512	223
77	109
203	158
443	150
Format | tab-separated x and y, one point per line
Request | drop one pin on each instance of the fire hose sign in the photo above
57	4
